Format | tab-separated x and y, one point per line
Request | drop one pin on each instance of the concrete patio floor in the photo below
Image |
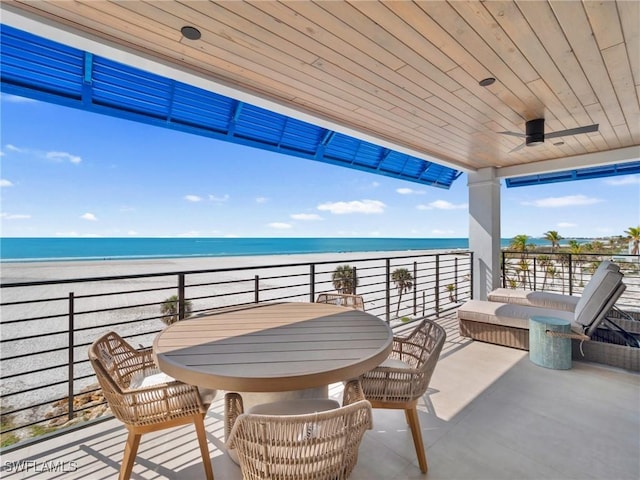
489	414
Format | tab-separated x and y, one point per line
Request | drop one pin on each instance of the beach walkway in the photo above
489	414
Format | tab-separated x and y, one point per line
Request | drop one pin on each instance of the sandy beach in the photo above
54	270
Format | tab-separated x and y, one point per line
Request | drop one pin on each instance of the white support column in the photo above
484	230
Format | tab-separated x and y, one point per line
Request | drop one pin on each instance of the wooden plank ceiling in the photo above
405	72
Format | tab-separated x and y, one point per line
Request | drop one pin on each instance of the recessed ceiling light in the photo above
192	33
485	82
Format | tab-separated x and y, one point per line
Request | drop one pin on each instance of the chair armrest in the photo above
233	407
352	392
146	357
157	403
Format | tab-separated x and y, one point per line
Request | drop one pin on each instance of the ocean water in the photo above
49	249
14	249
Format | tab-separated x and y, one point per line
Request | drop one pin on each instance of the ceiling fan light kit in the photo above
534	133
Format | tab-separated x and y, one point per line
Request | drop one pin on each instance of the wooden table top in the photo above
273	347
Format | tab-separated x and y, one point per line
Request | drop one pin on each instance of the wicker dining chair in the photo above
403	378
145	399
319	445
342	299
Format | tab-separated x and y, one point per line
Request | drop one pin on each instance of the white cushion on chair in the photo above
294	407
394	363
150	378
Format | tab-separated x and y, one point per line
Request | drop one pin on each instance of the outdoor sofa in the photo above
506	322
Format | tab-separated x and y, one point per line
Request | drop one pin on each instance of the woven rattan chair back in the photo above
315	446
144	409
342	299
404	377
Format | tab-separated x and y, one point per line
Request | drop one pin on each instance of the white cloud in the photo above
437	231
191	233
262	199
624	180
410	191
192	198
13	148
442	205
567	225
62	156
306	216
566	201
5	183
356	206
14	216
89	216
280	225
224	198
375	184
132	232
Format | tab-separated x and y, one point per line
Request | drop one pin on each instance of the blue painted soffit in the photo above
38	68
579	174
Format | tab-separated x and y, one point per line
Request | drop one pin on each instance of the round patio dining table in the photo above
273	347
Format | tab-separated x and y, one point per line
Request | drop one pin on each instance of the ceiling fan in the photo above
535	133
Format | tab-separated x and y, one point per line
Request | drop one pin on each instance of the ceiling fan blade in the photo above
572	131
519	147
514	134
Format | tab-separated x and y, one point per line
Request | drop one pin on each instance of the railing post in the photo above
471	274
355	279
388	284
437	286
181	304
535	281
312	286
570	275
256	289
504	271
455	279
415	289
71	412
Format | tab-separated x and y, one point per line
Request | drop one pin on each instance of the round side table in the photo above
547	350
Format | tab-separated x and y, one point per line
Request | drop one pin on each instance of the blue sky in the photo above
65	172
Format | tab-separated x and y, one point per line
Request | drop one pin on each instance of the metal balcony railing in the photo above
47	326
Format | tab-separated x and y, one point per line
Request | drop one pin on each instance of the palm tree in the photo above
451	288
596	246
170	310
564	261
345	279
575	248
633	234
519	243
524	266
403	280
544	261
554	237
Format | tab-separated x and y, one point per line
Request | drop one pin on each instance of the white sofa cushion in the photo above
506	314
555	301
596	295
